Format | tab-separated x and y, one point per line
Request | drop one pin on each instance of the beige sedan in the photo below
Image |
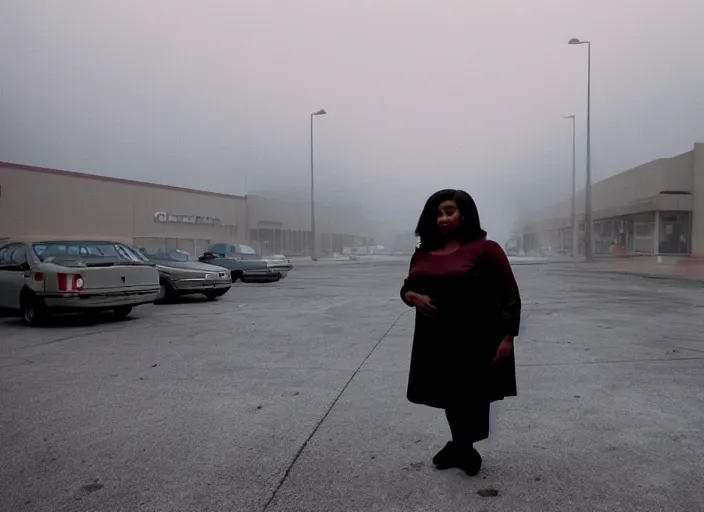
41	276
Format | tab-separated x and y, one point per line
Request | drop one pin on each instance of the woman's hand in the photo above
504	351
422	303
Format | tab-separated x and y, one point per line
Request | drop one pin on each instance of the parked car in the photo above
276	263
42	276
248	270
180	273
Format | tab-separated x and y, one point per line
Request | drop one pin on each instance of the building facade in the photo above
653	209
281	227
40	201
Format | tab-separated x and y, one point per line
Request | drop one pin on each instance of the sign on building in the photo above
186	219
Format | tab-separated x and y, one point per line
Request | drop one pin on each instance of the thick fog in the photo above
420	95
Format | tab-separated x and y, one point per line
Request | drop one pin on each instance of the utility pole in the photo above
575	248
588	229
313	253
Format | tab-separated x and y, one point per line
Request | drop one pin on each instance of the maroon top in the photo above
480	258
478	304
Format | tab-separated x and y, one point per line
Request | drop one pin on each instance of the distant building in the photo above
52	202
653	209
277	226
405	243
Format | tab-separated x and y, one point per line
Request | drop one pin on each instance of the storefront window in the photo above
149	243
603	236
675	233
618	236
623	236
644	232
201	246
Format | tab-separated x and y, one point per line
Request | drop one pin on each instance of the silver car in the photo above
43	276
182	274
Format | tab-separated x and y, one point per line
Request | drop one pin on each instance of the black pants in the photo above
469	423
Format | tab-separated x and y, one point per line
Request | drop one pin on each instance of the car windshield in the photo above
46	251
245	249
140	254
170	254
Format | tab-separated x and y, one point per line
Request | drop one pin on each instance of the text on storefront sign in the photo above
185	219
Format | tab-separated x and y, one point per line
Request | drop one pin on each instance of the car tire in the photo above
236	275
217	293
166	293
33	310
122	312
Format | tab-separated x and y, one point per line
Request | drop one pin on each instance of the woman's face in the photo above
449	217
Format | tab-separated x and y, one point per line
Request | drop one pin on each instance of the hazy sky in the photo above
421	95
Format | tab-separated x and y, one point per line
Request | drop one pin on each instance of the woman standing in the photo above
467	314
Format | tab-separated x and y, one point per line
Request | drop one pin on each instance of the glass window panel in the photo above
675	233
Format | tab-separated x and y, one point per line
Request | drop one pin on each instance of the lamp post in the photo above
588	249
574	186
312	188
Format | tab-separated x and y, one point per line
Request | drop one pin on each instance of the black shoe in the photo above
447	457
471	462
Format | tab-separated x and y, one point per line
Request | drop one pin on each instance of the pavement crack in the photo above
300	450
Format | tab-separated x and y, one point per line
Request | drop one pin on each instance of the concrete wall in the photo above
633	187
264	213
231	211
45	201
51	202
698	210
268	213
666	184
627	192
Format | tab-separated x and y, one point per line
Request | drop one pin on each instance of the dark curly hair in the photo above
431	238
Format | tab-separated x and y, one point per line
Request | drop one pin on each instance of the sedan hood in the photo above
189	265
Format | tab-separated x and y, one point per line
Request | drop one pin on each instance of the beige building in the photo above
284	227
43	201
653	209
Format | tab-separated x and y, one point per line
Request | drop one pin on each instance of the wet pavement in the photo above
291	397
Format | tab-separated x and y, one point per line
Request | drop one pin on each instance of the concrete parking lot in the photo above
291	397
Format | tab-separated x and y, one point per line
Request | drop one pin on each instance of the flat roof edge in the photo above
110	179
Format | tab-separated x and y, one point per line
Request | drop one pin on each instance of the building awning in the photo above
659	203
663	202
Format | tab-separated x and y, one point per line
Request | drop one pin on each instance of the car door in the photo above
13	268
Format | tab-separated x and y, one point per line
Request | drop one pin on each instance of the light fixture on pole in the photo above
312	188
573	217
588	248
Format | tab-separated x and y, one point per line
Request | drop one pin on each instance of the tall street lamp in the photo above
574	186
312	188
588	249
